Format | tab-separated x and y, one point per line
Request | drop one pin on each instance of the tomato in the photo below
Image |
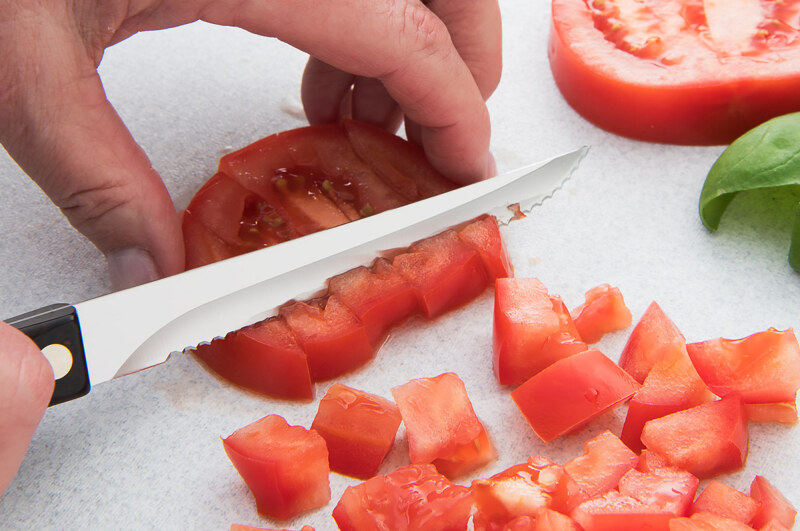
773	506
707	522
334	340
719	498
441	426
302	181
705	440
761	368
532	330
412	498
605	460
676	71
667	489
572	391
783	412
240	527
774	525
285	467
359	429
617	512
654	337
263	357
604	311
483	235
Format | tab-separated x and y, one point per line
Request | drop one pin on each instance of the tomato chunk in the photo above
604	462
604	311
668	489
572	391
761	368
719	498
263	357
655	337
483	235
783	412
412	498
285	467
707	522
705	440
532	330
773	506
359	429
617	512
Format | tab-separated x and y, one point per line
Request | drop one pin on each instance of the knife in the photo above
124	332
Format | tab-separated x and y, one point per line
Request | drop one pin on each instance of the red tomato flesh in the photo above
359	429
241	527
783	412
483	235
654	338
773	506
719	498
666	489
616	512
604	462
604	311
572	391
707	522
285	467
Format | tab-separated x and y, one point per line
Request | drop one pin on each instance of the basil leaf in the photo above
767	156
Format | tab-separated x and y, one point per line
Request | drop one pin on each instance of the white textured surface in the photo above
144	452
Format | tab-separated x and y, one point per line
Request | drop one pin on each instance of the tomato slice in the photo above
263	357
572	391
773	506
604	311
412	498
719	498
604	462
614	511
285	467
675	71
705	440
761	368
483	235
359	429
655	337
783	412
707	522
667	489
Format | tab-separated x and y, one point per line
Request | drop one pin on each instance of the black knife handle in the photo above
55	330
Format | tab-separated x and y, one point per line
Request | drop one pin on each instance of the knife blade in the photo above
130	330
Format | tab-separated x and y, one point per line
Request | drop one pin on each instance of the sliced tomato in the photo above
677	72
613	511
285	467
783	412
719	498
604	311
412	498
483	235
532	330
441	426
774	525
665	489
334	340
604	462
378	296
655	337
572	391
773	506
550	520
206	247
444	271
761	368
707	522
359	429
263	357
705	440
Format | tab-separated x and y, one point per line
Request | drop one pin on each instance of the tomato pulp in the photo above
677	71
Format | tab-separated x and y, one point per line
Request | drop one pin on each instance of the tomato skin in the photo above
604	311
359	429
285	467
762	368
571	392
655	337
773	506
204	247
412	498
726	501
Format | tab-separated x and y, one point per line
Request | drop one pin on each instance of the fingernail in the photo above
130	267
491	166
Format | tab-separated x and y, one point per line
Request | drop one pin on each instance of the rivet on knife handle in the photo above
55	330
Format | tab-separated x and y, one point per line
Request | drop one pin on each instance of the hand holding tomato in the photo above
434	63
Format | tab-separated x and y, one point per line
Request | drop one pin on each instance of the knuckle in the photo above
89	206
428	33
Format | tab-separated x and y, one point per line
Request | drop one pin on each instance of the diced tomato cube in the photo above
550	520
783	412
444	271
707	522
705	440
359	429
285	467
263	357
441	426
773	506
669	489
572	391
378	296
651	461
412	498
483	235
761	368
773	525
654	338
604	462
719	498
532	330
333	339
604	311
613	511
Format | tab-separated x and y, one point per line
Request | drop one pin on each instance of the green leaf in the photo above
767	156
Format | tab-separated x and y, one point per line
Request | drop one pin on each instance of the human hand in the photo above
437	63
26	385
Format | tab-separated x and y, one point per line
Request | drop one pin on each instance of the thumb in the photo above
26	385
58	125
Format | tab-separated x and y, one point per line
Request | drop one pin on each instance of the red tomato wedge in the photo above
359	429
676	71
572	391
705	440
655	337
285	467
604	311
719	498
483	235
532	330
761	368
604	462
412	498
773	506
441	426
707	522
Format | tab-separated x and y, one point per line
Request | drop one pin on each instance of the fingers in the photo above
26	385
56	123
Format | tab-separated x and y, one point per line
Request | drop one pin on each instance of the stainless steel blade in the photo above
152	321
